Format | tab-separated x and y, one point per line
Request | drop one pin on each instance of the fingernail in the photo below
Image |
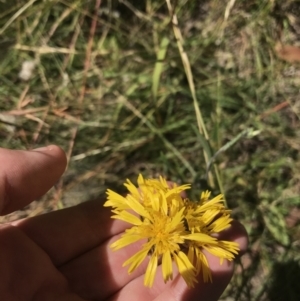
42	149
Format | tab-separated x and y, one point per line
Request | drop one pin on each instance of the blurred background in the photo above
200	91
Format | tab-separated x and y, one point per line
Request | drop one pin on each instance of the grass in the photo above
123	91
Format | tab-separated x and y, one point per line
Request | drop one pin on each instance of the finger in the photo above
98	273
68	233
177	289
27	273
27	175
236	232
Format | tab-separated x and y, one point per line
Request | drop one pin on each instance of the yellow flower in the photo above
174	229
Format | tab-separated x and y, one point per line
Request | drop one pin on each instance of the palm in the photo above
65	255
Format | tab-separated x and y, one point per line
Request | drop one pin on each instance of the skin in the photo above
65	255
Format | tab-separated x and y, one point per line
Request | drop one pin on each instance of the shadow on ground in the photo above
285	285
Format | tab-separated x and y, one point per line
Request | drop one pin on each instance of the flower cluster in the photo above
175	229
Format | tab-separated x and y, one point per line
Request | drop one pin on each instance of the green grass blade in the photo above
159	66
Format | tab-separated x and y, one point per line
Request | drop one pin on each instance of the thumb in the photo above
27	175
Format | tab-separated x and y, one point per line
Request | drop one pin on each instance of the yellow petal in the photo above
231	246
202	238
167	268
177	190
186	269
115	200
219	252
176	220
164	204
191	254
150	272
205	195
137	206
136	260
140	180
215	200
155	201
204	266
127	217
125	240
220	224
132	188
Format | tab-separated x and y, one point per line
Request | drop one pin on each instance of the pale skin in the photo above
65	255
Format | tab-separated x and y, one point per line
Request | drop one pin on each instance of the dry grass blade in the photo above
188	71
16	15
45	49
189	75
228	9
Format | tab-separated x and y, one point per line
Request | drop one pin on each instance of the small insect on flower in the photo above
175	229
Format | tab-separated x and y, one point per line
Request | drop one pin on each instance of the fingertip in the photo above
56	153
237	233
27	175
241	237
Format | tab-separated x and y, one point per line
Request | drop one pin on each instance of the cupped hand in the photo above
65	255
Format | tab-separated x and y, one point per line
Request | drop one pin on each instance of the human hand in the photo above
65	255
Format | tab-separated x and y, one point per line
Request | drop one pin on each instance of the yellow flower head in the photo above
175	229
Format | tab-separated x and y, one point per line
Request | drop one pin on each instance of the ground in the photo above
125	90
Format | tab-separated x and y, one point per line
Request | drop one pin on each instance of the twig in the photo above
80	99
274	109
